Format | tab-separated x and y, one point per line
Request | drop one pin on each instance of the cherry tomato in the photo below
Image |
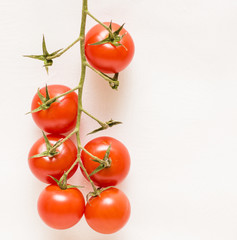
120	161
55	166
106	57
61	116
108	212
61	209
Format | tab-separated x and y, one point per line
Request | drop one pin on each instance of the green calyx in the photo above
46	101
50	152
108	124
105	163
114	37
45	57
96	193
62	182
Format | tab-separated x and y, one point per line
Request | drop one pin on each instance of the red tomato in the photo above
61	116
61	209
55	166
118	154
108	212
106	57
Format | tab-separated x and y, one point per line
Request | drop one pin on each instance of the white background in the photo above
177	101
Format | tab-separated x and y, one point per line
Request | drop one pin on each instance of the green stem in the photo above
80	90
87	175
102	124
63	140
102	24
64	50
70	169
91	155
51	100
107	78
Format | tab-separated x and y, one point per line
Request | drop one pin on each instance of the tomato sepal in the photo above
62	183
46	101
44	154
50	152
96	193
105	164
114	38
99	168
45	55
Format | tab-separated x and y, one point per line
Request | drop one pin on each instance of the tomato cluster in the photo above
54	157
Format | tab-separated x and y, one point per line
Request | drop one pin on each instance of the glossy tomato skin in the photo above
109	212
106	57
55	166
61	116
119	156
61	209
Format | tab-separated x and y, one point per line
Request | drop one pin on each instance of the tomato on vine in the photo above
60	115
118	155
44	164
108	212
109	53
61	209
104	161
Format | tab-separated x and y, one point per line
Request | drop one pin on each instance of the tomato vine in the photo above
106	160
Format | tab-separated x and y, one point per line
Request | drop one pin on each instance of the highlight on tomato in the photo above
61	209
108	212
44	163
106	53
118	155
59	116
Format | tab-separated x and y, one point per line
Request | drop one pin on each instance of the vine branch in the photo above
64	50
113	83
98	21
